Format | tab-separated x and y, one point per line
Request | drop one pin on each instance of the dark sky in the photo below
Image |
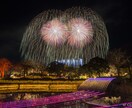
16	14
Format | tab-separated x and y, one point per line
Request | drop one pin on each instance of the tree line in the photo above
97	65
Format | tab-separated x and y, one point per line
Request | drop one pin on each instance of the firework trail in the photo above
77	33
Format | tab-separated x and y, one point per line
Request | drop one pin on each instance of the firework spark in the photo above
81	32
54	32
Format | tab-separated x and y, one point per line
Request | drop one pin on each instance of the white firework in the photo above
54	32
80	32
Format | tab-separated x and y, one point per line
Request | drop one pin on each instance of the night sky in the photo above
16	14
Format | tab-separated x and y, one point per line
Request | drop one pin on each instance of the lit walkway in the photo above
67	97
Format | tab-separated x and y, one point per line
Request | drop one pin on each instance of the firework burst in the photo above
54	32
77	33
80	32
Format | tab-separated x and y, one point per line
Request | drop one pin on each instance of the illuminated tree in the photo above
117	58
37	67
17	67
85	69
26	65
98	65
55	67
71	72
5	65
129	64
